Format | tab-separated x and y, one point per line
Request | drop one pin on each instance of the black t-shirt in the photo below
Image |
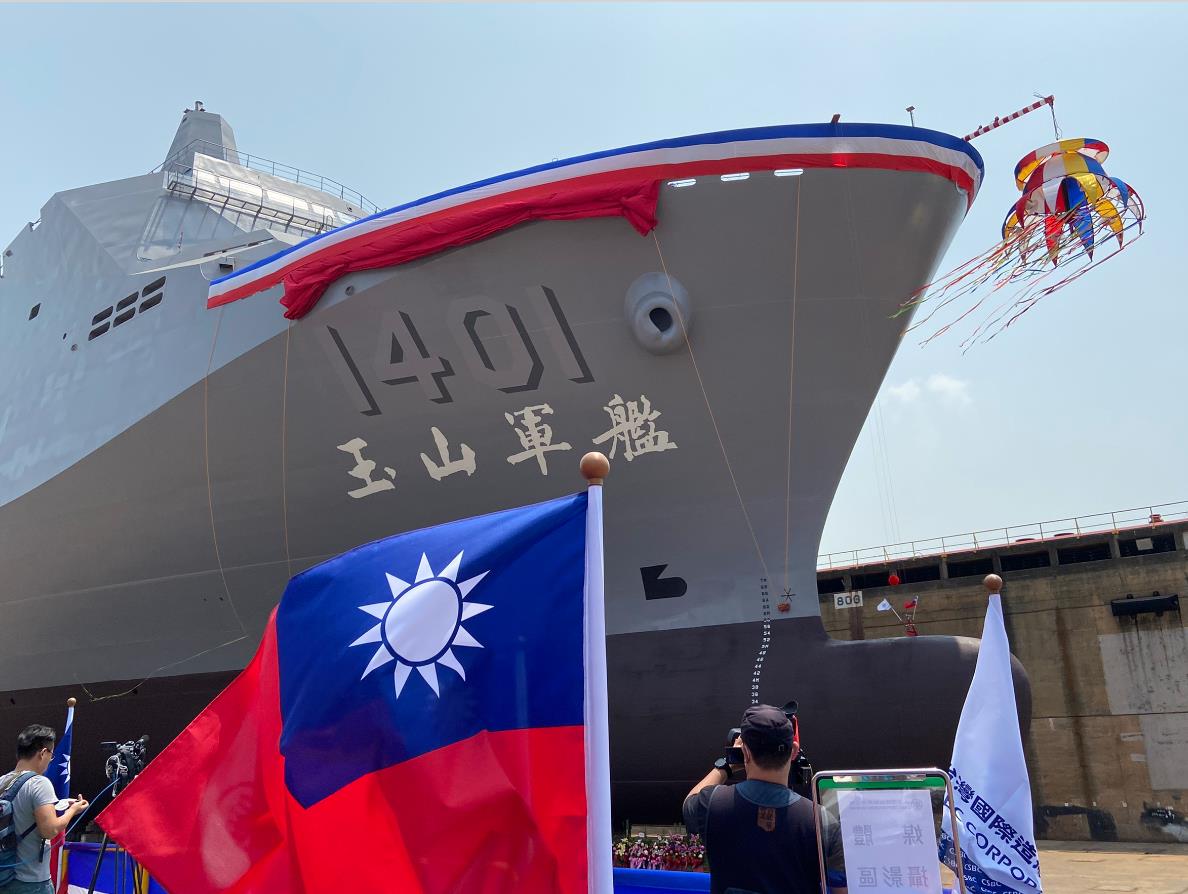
760	838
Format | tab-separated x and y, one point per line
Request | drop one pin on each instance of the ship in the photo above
178	438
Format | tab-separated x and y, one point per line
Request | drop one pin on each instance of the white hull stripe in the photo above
850	140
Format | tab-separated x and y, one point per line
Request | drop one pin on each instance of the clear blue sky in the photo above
1079	408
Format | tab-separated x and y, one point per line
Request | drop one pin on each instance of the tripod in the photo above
103	844
122	869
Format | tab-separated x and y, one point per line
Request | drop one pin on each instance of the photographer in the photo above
34	820
760	836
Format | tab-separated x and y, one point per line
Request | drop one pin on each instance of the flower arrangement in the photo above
672	852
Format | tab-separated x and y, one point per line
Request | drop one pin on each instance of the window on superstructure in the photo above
149	296
152	294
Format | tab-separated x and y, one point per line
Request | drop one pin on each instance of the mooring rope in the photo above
879	452
284	451
709	409
214	534
764	589
791	379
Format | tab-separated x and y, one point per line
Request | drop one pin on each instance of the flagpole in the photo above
70	703
594	468
58	845
989	768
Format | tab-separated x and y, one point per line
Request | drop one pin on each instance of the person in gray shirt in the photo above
33	810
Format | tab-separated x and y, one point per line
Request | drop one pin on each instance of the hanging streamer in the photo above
1070	217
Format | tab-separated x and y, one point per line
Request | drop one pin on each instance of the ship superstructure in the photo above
165	467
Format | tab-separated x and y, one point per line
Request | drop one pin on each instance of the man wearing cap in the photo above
760	836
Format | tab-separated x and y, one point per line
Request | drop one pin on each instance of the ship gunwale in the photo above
857	145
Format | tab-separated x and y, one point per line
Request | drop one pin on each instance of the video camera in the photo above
126	759
800	777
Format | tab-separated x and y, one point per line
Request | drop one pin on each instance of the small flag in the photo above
884	606
58	773
909	605
990	785
59	769
439	697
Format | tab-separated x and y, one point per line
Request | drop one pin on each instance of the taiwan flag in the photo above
426	713
58	773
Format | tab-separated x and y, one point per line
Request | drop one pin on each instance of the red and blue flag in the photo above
58	773
426	713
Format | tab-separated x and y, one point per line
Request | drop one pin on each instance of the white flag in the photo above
884	606
990	785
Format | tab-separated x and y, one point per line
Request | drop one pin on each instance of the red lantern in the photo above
893	579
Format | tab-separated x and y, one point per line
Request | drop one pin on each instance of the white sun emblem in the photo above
422	622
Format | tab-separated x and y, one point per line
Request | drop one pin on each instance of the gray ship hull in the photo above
473	380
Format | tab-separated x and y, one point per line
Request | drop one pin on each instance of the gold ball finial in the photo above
71	702
595	467
992	583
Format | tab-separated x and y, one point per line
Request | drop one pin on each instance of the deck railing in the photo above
1102	522
277	169
240	197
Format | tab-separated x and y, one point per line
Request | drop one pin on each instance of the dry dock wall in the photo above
1108	743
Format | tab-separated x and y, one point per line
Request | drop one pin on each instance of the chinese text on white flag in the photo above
992	793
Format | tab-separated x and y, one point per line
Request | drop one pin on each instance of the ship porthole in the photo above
659	316
659	313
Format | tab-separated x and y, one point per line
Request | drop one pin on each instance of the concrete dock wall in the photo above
1108	742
